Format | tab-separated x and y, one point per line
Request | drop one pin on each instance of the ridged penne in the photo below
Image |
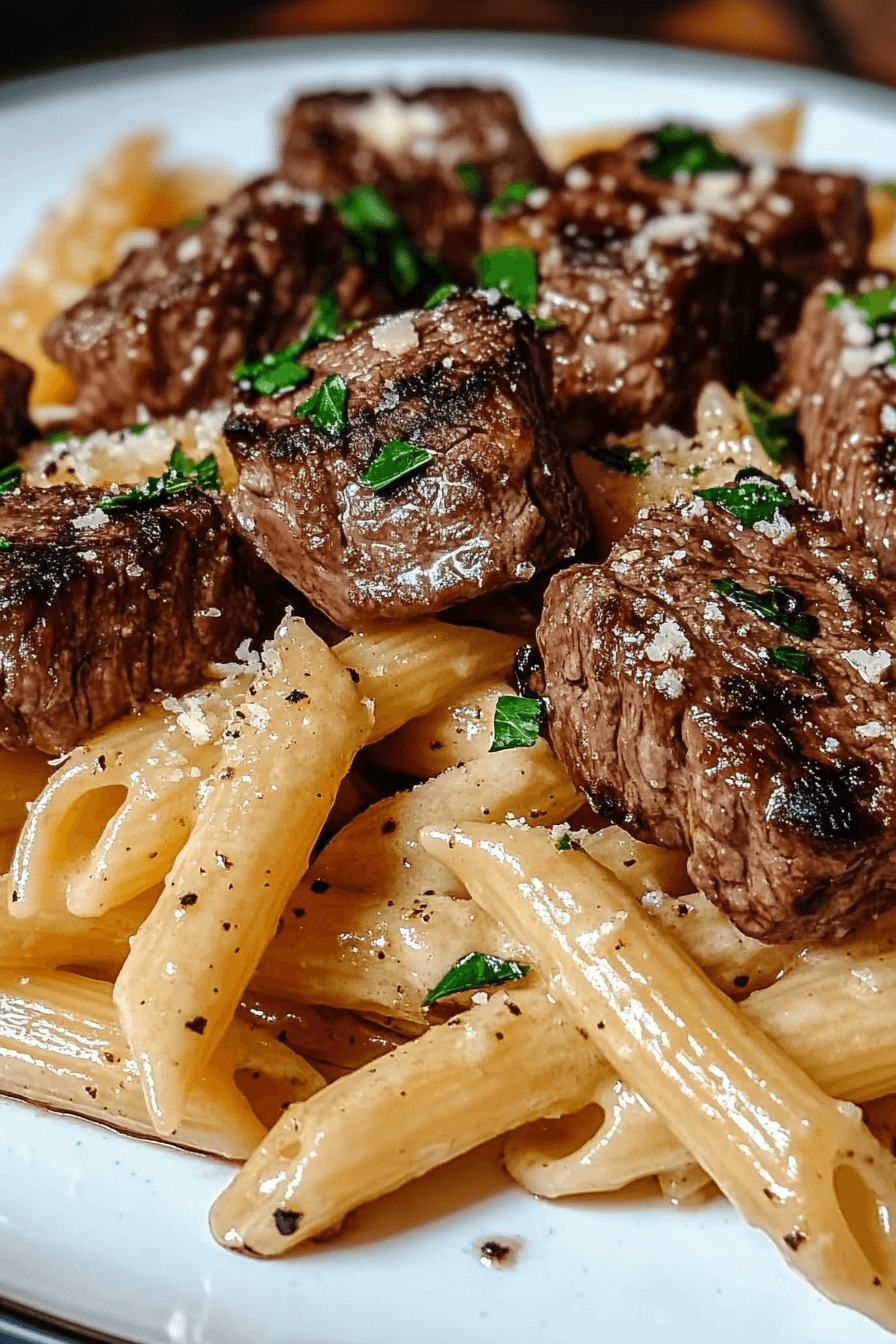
285	752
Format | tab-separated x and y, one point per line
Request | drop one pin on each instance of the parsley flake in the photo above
394	461
779	606
470	179
139	429
325	408
193	221
518	722
564	842
5	544
10	477
509	195
181	473
680	149
278	371
385	247
622	459
439	295
513	271
60	436
753	498
325	324
775	430
791	660
477	970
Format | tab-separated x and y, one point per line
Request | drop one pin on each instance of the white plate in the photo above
110	1233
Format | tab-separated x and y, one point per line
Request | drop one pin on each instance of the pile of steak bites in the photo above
410	330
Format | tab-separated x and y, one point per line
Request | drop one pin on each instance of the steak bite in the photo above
15	426
166	329
411	146
805	226
99	610
649	306
464	385
730	689
840	374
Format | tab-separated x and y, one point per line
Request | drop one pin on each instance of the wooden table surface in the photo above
851	36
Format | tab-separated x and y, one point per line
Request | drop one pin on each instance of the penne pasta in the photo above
22	776
285	753
407	668
380	851
412	1110
456	732
61	1046
795	1163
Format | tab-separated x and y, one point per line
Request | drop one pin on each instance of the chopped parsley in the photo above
383	243
325	324
888	187
513	271
59	436
876	306
779	606
471	180
476	970
518	722
325	408
181	473
509	195
791	660
439	295
139	429
5	544
564	842
10	477
753	498
622	459
682	149
393	462
278	371
775	430
193	221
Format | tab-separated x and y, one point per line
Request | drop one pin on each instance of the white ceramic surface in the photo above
110	1233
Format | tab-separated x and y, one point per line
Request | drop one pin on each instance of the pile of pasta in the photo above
218	932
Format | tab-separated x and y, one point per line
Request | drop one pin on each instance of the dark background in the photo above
851	36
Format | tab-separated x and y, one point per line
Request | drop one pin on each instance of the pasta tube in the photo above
412	1110
407	668
457	731
795	1163
380	850
22	776
285	753
61	1046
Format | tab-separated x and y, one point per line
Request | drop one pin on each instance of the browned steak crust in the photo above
468	382
166	329
98	611
410	145
805	226
650	306
669	713
841	379
15	426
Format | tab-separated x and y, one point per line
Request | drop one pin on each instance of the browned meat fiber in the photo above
411	145
650	306
98	611
15	426
166	329
467	382
752	725
839	374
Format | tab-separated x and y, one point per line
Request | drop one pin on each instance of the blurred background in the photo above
849	36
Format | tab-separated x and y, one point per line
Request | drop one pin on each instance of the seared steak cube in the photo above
466	383
98	610
166	329
411	146
805	226
650	307
15	426
730	689
840	373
